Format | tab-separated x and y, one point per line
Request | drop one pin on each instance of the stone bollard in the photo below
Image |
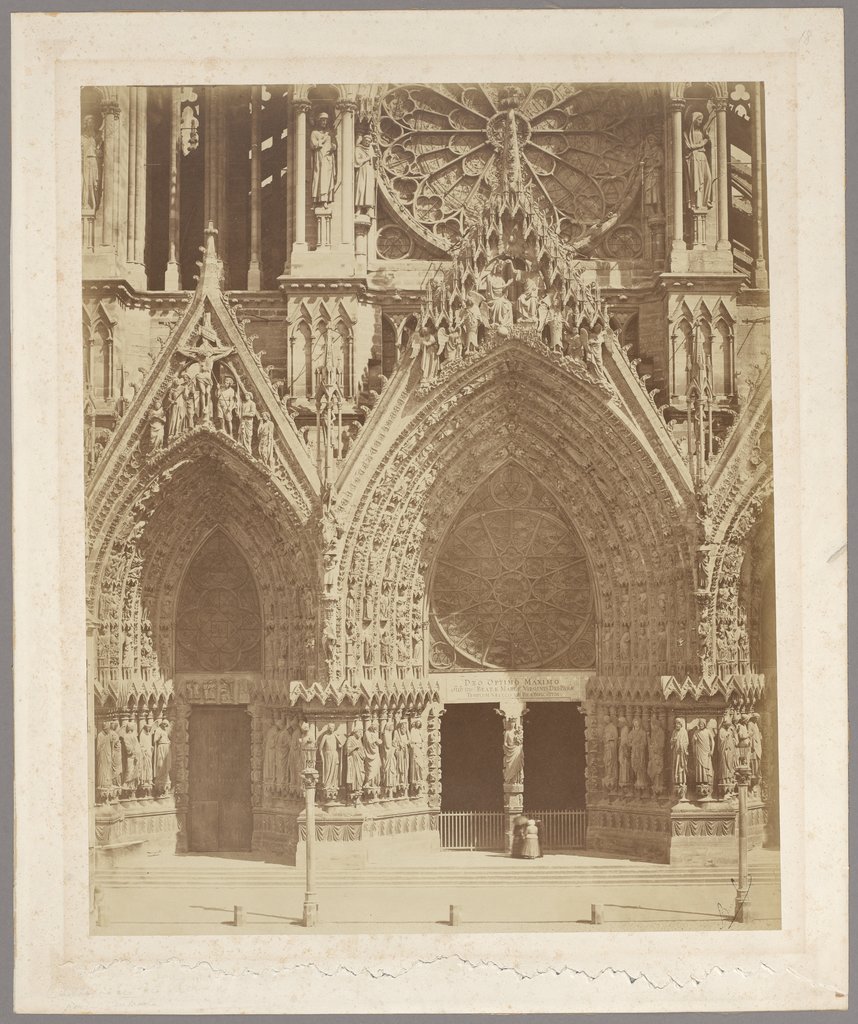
455	914
597	913
238	918
102	917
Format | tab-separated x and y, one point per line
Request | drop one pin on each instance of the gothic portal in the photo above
428	455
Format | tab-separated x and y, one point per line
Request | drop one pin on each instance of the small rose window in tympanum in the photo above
511	587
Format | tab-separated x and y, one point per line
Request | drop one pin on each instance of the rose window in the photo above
511	588
440	150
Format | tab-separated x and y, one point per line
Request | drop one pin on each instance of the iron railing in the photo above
486	830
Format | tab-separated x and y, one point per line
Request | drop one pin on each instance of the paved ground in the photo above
197	894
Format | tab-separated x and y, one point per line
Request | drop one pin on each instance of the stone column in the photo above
723	240
346	110
676	107
172	282
131	213
179	770
760	275
254	272
110	173
300	176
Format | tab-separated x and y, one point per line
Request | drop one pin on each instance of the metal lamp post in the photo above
743	900
310	778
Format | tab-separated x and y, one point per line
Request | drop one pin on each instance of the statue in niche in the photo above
528	302
743	740
130	757
365	174
104	763
156	420
473	316
610	747
679	758
372	759
698	172
265	437
295	764
513	752
417	755
329	745
425	343
655	764
702	748
91	157
353	752
324	149
453	346
161	759
281	763
388	757
227	405
625	754
269	757
400	751
248	418
653	165
500	307
638	741
147	777
556	322
726	756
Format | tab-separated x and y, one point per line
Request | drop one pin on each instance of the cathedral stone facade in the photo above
428	449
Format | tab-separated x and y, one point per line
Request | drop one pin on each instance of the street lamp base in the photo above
742	913
311	914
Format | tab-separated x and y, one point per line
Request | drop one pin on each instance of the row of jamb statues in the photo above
132	758
703	753
377	760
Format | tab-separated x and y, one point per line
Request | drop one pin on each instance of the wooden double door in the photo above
220	817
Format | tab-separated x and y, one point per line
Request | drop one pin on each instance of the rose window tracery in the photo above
511	587
218	625
440	150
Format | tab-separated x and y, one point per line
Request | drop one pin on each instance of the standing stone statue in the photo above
372	759
329	756
146	773
655	765
638	751
354	759
91	154
679	757
400	749
116	756
702	747
726	759
324	150
417	756
161	762
104	763
130	758
425	343
473	316
388	758
226	405
265	435
756	748
248	418
610	746
364	175
513	752
625	755
652	174
698	172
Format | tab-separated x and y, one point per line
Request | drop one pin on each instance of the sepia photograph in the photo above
430	553
429	506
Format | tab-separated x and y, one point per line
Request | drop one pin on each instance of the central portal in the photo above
219	810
